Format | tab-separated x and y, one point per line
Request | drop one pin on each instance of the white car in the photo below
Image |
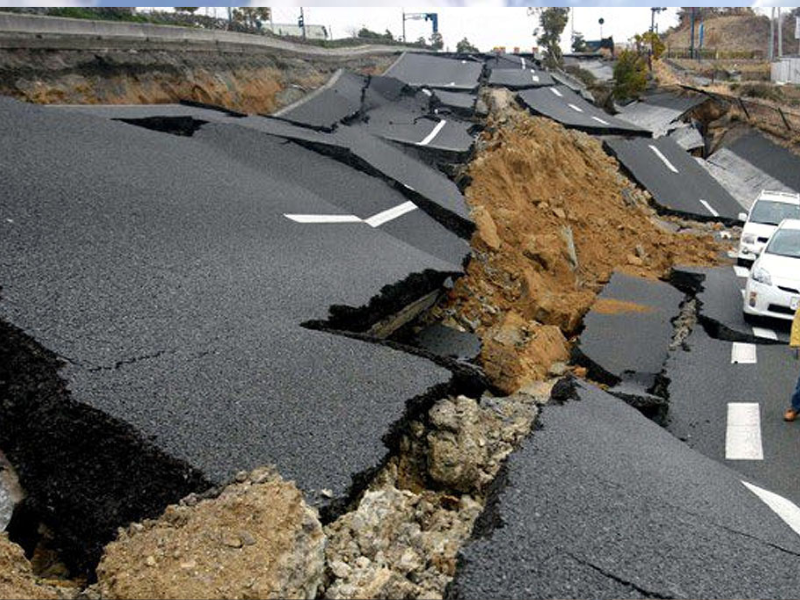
769	209
773	287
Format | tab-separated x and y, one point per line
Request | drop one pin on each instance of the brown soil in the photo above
533	184
16	576
609	306
736	33
255	83
258	539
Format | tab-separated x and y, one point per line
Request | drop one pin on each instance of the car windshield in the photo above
785	242
772	213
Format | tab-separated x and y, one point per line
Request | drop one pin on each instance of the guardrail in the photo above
714	54
19	30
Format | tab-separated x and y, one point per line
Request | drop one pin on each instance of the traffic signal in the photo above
300	21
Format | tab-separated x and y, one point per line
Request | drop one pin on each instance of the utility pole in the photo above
303	22
771	49
691	41
780	35
404	26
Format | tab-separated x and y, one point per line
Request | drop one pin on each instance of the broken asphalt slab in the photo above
326	107
720	292
766	156
519	79
658	113
175	296
568	108
627	334
704	381
675	180
602	503
427	70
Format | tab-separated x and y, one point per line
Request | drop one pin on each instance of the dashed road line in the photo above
324	218
743	434
391	214
522	60
374	221
556	92
743	354
427	92
663	158
784	508
765	333
429	138
599	120
535	77
575	108
708	207
742	272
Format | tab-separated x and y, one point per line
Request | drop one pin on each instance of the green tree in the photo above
374	35
465	47
251	17
552	22
578	43
187	9
630	75
437	41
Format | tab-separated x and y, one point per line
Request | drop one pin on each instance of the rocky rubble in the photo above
402	539
257	539
16	575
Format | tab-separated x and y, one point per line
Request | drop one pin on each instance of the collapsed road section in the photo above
174	304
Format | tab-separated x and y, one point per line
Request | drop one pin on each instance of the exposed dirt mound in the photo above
258	539
554	219
16	576
739	33
251	83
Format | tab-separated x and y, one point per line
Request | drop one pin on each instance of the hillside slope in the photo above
744	33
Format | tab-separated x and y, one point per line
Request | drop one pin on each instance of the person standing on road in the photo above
794	411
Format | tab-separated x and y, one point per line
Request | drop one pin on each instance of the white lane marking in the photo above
427	92
743	435
743	354
556	92
433	133
708	206
391	214
535	78
657	152
744	293
575	108
324	218
523	61
741	271
784	508
452	83
767	334
599	120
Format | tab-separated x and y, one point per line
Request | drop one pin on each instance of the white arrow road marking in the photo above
743	354
742	272
391	214
743	435
599	120
785	509
708	207
324	218
429	138
556	92
658	153
767	334
374	221
575	108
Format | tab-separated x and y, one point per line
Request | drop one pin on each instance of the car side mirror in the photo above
743	216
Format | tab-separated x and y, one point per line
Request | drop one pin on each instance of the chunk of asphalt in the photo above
426	70
602	503
162	272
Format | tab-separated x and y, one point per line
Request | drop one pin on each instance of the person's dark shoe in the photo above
790	415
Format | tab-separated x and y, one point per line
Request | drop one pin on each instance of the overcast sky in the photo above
486	24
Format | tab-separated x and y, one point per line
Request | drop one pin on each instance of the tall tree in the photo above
465	47
552	22
251	17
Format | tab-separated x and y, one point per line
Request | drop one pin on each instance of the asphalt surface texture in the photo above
329	105
658	113
426	70
519	79
675	180
768	157
176	295
704	381
720	308
568	108
602	503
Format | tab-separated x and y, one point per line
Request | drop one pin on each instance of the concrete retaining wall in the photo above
33	31
786	70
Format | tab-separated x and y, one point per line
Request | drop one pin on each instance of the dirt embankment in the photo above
555	218
251	83
736	33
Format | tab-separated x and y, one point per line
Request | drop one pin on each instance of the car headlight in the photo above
749	238
761	276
